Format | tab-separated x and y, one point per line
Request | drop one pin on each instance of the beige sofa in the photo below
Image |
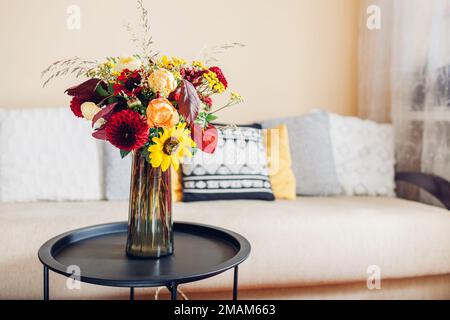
311	248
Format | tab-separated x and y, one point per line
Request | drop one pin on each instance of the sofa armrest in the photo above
435	185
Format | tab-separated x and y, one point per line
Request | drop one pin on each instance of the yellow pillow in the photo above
177	190
279	159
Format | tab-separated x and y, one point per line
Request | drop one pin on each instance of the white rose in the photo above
89	110
129	63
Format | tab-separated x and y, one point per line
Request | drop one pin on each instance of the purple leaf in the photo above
189	102
99	134
85	90
103	113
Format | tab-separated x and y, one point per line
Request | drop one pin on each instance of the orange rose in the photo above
161	113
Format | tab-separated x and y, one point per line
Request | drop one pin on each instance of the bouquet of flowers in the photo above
160	106
163	106
160	109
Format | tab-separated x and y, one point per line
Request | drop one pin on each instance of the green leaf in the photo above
112	99
145	154
124	153
102	91
211	117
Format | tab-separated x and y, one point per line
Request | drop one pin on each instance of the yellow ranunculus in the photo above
162	81
198	64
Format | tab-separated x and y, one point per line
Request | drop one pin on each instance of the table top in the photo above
200	251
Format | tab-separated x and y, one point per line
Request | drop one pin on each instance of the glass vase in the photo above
150	231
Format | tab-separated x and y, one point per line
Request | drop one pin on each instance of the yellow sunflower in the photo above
170	147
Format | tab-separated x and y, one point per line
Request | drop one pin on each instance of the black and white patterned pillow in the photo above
236	170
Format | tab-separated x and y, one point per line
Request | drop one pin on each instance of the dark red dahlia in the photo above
128	82
192	75
219	75
127	130
75	106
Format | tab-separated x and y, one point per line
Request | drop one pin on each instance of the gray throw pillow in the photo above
117	173
311	152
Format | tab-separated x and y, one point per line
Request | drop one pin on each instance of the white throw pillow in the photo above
117	173
364	155
47	154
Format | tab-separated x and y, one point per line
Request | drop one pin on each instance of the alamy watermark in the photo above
73	21
373	277
373	21
73	282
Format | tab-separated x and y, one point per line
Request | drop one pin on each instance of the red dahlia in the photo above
75	106
206	100
127	130
219	75
192	75
129	82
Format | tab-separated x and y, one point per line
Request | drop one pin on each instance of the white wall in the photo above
300	54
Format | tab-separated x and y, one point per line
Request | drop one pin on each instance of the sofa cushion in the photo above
308	241
312	156
363	152
237	169
279	159
47	154
117	173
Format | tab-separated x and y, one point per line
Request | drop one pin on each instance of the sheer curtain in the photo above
405	78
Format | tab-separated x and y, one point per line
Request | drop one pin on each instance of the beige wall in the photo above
300	54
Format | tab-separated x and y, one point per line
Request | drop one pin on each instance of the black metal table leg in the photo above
173	291
235	283
46	297
131	293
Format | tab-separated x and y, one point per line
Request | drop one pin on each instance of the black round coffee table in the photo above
201	251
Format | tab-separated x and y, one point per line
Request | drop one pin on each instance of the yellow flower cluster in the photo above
236	97
199	65
105	70
171	63
109	64
214	82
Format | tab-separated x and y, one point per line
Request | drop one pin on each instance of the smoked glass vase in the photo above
150	224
